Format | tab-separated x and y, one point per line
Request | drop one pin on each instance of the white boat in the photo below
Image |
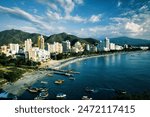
59	82
61	95
44	82
86	98
71	78
33	90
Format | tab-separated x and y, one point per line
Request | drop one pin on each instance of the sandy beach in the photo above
29	78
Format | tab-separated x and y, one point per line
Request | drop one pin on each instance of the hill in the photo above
64	36
18	36
130	41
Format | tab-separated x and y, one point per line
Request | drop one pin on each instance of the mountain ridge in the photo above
18	36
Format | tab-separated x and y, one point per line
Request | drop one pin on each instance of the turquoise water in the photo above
126	71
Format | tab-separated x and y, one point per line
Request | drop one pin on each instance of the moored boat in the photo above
59	81
86	98
61	95
50	75
71	78
44	82
33	90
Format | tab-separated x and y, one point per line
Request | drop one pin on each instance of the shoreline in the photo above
17	88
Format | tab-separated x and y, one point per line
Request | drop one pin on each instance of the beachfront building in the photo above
13	48
112	46
4	49
118	47
51	48
38	55
58	47
55	47
87	47
41	42
66	46
28	45
77	47
106	44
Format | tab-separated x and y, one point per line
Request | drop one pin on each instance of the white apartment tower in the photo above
41	42
66	46
28	45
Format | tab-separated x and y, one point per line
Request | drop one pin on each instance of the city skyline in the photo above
84	18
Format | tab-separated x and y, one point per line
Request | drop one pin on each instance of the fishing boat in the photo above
33	90
71	78
50	75
59	81
43	89
44	82
67	74
86	98
61	95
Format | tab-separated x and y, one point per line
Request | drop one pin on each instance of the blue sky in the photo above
84	18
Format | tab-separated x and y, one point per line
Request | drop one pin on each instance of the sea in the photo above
129	71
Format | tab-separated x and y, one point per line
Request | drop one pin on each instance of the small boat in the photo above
59	81
61	95
44	82
43	89
90	90
71	78
50	75
67	74
86	98
33	90
43	94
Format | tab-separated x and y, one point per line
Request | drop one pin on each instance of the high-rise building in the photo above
58	47
77	47
28	45
112	46
51	48
66	46
106	44
41	42
55	47
87	47
14	48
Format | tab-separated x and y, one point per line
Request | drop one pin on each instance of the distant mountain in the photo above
18	36
130	41
64	36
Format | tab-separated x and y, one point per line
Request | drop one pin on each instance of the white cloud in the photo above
95	18
135	28
54	15
75	18
67	5
29	29
21	14
53	6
